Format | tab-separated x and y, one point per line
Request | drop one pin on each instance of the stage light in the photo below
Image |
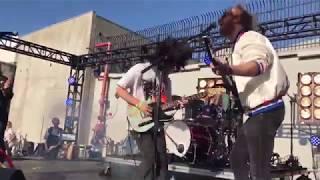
211	83
202	83
316	79
315	140
71	80
309	97
317	91
316	102
69	102
305	102
208	84
316	114
305	113
306	79
306	90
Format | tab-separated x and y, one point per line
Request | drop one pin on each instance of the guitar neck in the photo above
173	104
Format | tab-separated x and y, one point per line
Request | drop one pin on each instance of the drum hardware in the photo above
180	147
203	136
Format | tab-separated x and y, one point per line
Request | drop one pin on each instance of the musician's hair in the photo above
175	53
246	19
54	119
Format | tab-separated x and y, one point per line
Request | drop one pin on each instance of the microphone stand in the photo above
159	75
156	110
292	161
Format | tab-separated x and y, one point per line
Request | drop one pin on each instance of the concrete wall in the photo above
40	87
90	106
185	84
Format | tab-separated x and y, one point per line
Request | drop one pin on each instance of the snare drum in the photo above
189	140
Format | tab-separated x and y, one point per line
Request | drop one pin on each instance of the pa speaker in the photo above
11	174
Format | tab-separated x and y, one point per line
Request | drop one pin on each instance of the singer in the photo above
261	82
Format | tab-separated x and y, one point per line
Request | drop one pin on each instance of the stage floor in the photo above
121	169
84	170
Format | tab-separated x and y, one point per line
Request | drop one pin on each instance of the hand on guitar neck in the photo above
221	68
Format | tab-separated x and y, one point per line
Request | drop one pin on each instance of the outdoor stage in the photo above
121	169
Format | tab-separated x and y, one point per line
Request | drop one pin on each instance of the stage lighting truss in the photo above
309	97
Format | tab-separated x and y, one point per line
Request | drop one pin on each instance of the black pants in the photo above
254	145
53	153
3	125
145	142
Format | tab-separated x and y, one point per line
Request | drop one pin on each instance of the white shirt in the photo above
272	83
133	80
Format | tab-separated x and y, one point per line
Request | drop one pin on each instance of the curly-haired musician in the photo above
134	87
261	82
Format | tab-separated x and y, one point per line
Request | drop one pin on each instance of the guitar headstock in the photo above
207	60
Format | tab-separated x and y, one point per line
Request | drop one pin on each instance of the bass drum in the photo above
189	140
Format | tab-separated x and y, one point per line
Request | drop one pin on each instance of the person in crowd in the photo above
53	139
10	138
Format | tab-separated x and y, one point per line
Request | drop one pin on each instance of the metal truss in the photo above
36	50
73	107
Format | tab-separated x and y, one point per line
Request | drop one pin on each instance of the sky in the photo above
25	16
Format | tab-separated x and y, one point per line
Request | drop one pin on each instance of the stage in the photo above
121	169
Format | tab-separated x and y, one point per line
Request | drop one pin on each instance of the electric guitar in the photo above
140	122
228	82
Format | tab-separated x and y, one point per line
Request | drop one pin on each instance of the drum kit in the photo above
203	135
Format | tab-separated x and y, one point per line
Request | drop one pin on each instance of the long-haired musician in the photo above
135	88
261	82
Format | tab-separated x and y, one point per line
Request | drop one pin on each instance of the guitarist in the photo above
261	82
132	89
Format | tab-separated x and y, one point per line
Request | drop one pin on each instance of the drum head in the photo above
178	138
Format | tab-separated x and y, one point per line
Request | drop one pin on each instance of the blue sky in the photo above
25	16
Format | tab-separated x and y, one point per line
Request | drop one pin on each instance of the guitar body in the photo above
139	122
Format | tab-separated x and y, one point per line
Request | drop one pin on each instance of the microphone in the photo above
180	148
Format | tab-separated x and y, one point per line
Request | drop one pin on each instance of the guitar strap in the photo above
147	89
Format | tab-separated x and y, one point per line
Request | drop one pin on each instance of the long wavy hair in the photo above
175	53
